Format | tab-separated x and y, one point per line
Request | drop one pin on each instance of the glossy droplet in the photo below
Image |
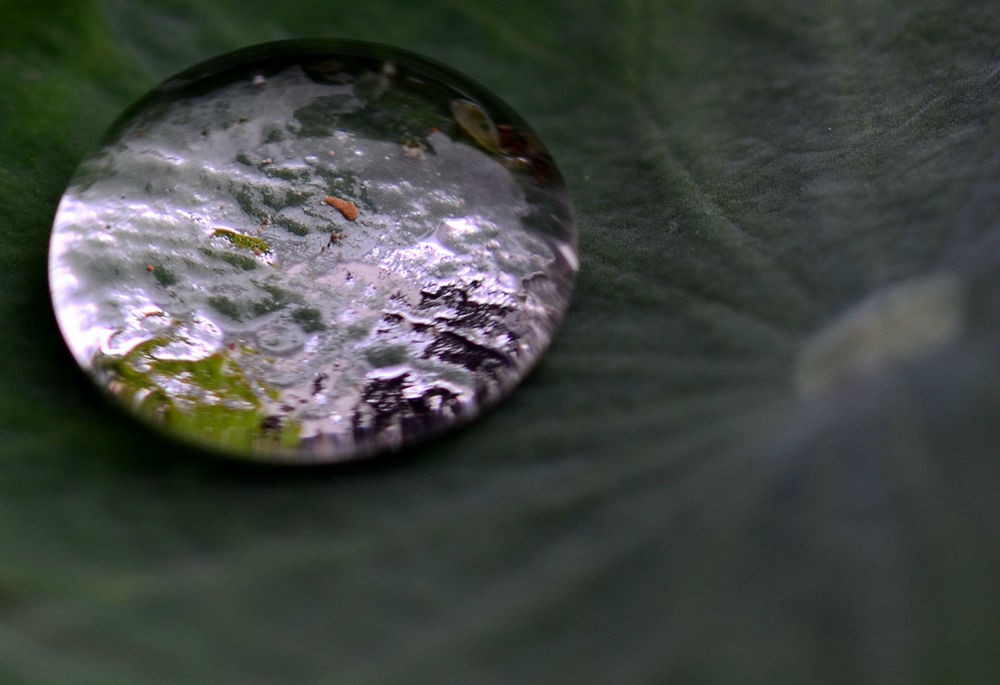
308	252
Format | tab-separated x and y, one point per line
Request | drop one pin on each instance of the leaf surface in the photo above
664	499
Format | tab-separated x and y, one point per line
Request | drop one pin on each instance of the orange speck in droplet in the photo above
346	207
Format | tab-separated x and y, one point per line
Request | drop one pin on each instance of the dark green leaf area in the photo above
309	319
240	307
666	499
241	261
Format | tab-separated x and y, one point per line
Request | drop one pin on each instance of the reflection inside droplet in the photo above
307	251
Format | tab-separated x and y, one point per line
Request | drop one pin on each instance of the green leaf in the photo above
763	449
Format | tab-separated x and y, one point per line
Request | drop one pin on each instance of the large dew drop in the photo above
313	252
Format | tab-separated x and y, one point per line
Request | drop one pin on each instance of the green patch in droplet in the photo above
163	276
237	259
242	240
309	320
387	355
291	225
242	310
226	306
209	399
317	119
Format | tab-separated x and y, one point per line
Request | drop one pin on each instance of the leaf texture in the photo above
661	501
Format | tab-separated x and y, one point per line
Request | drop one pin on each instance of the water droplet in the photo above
313	251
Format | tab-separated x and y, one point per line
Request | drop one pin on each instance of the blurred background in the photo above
763	448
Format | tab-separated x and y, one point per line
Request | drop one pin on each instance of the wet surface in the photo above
313	251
